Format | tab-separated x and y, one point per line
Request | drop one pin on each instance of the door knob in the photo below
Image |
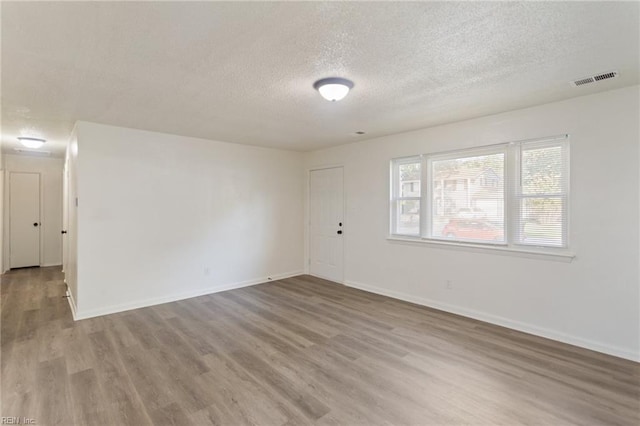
64	232
35	224
339	232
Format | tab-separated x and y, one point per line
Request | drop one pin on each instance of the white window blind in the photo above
541	192
406	196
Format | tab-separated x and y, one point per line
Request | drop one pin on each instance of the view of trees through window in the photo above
542	204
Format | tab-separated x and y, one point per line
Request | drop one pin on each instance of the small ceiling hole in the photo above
360	132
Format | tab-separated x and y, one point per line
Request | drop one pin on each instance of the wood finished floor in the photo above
297	351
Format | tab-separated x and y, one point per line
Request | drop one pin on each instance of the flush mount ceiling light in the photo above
31	142
334	88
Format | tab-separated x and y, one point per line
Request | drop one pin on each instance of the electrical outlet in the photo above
448	284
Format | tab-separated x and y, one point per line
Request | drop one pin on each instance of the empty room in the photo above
320	213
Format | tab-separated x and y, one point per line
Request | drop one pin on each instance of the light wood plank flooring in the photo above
297	351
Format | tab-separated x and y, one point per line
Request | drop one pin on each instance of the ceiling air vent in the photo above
595	78
605	76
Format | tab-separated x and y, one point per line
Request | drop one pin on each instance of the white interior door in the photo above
326	224
24	219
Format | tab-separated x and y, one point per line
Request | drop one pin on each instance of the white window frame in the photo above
395	192
512	196
517	194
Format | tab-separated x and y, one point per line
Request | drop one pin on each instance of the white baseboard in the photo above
72	305
502	321
180	296
45	265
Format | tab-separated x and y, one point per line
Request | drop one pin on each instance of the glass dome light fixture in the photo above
334	88
31	142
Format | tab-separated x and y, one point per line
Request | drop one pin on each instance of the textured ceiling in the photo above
243	72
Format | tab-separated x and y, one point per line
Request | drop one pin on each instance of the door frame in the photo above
65	213
7	234
307	263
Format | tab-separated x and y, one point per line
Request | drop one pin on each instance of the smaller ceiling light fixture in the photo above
334	88
31	142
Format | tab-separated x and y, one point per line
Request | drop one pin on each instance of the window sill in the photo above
558	256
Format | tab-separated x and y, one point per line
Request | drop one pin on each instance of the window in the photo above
541	195
472	209
512	194
406	196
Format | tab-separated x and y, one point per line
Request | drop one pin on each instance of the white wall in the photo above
50	170
163	217
592	302
70	241
1	210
